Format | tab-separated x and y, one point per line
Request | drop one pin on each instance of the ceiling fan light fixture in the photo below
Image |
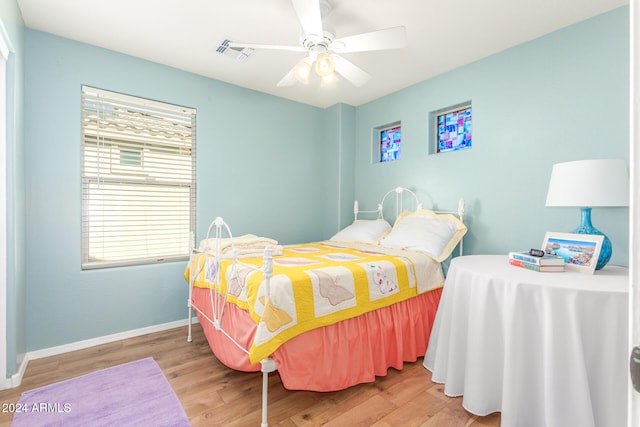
324	65
302	71
329	79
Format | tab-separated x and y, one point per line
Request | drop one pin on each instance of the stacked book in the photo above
546	262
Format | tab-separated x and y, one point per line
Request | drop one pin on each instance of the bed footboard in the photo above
218	302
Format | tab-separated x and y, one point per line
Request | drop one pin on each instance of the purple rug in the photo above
132	394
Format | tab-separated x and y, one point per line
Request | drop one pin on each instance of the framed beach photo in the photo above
580	251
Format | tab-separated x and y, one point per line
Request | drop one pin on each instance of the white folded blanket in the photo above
246	246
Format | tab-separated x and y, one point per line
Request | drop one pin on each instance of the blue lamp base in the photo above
587	228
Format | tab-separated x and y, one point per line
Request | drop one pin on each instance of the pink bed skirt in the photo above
335	357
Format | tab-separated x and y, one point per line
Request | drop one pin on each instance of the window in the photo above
138	180
390	144
386	143
451	128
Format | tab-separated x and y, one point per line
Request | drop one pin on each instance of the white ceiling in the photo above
441	35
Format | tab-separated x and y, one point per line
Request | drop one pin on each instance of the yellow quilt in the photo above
316	284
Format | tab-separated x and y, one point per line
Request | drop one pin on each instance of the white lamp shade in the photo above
589	183
301	71
324	65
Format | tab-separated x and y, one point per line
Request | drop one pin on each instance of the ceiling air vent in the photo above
239	54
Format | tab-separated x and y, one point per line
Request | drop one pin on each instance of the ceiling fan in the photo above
323	48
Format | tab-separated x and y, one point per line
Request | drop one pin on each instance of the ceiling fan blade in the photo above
356	75
389	38
308	12
266	46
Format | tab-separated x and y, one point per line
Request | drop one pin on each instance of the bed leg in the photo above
192	245
189	316
268	365
190	311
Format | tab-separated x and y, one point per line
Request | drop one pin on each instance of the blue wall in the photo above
290	171
337	161
558	98
256	167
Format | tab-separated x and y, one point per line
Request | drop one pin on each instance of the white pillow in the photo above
366	231
426	231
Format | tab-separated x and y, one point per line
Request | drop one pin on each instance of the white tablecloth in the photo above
545	349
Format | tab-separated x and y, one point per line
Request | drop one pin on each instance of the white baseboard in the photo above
5	383
16	379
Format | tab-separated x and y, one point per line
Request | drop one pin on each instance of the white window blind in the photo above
138	180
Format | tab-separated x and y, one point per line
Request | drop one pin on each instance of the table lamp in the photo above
586	184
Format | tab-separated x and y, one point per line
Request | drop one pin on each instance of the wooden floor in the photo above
213	395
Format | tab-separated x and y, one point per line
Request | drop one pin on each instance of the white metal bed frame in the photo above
398	193
269	365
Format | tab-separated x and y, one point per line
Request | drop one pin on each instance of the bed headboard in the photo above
405	199
400	193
